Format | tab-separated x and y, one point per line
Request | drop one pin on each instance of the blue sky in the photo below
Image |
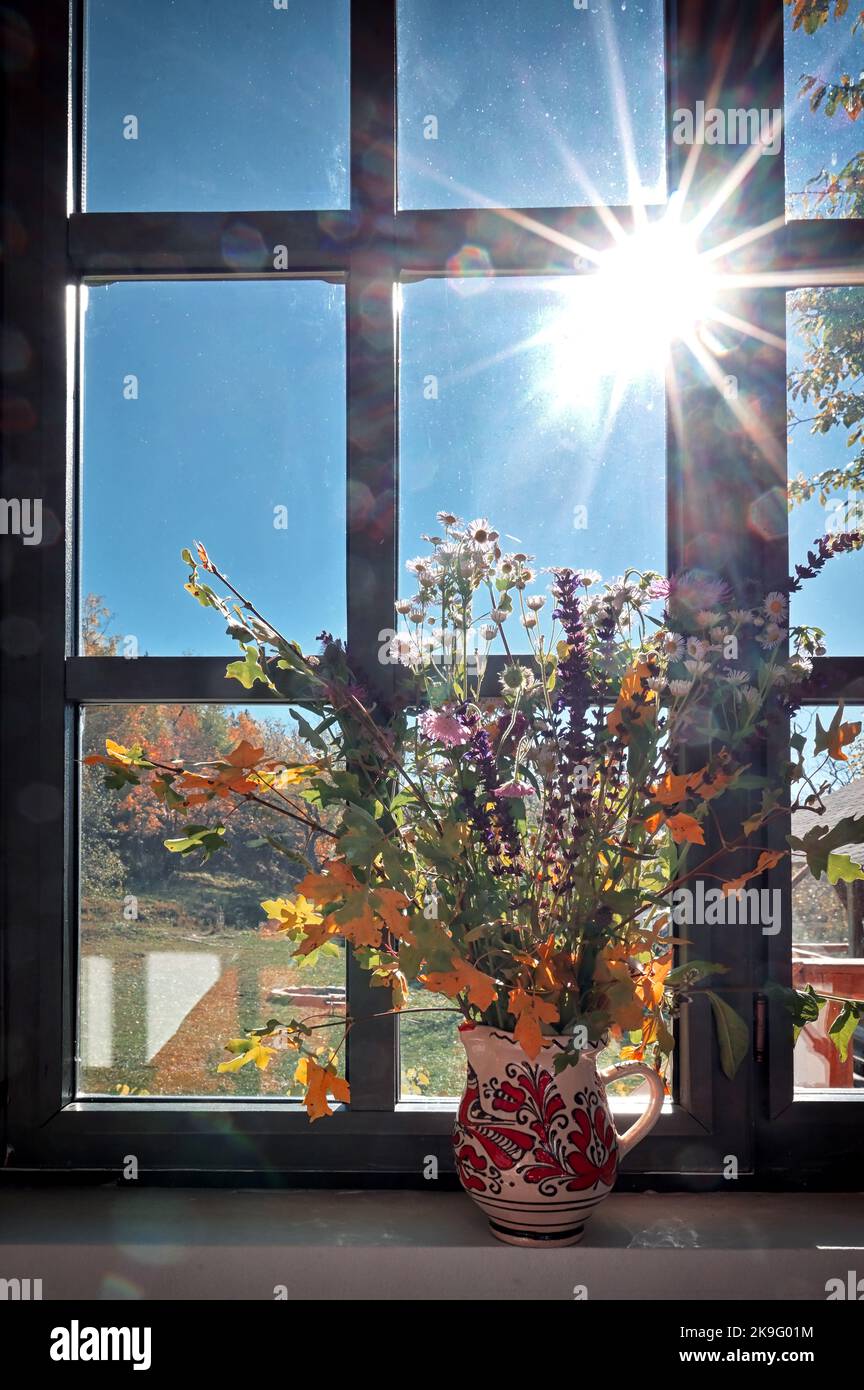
814	141
240	409
240	106
534	102
524	429
241	384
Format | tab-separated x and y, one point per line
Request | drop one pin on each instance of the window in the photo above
358	339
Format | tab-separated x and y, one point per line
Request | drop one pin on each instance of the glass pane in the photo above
432	1058
216	105
520	403
552	104
176	957
825	364
214	411
828	920
824	61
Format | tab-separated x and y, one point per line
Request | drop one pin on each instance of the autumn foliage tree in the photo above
123	837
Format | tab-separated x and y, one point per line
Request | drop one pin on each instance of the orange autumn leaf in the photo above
531	1013
327	886
767	860
839	737
356	921
649	985
480	989
389	906
203	558
706	785
671	789
685	829
638	710
320	1082
244	755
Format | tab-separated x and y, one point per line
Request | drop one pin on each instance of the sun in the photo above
616	324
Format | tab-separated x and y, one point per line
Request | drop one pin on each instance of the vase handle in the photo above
648	1119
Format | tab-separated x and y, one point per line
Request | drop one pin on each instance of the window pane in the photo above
216	105
175	955
826	362
432	1058
521	403
828	920
824	62
541	105
214	411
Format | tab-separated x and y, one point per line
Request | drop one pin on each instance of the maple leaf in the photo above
389	905
767	860
834	739
244	755
326	887
291	916
480	989
320	1082
530	1012
356	921
649	985
686	829
257	1053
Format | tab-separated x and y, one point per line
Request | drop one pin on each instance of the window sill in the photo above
188	1244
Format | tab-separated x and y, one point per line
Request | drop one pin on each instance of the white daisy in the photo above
776	607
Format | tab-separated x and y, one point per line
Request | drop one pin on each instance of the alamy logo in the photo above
76	1343
737	126
21	516
20	1290
851	1288
711	907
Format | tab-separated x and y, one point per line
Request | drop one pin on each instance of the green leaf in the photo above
248	671
806	1006
207	838
840	866
443	849
361	839
844	1026
733	1034
310	735
821	841
291	658
683	976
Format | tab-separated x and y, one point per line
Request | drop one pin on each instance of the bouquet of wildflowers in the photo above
513	831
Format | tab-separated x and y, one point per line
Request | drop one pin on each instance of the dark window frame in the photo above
44	684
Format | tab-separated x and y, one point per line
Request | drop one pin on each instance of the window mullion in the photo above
372	451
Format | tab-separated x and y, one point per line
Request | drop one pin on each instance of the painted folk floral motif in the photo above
536	1149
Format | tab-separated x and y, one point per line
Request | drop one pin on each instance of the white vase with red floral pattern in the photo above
538	1152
